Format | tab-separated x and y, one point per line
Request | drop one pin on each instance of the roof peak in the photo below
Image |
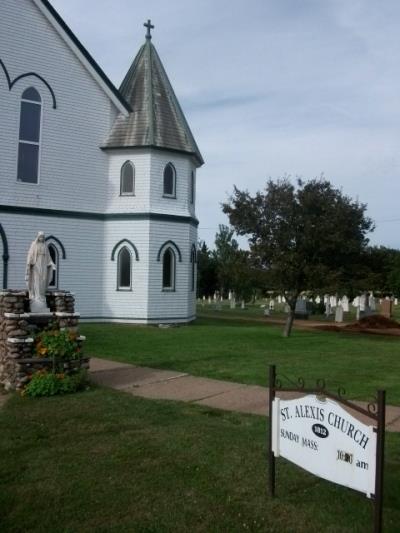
157	119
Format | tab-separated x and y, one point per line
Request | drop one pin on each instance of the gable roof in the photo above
157	119
83	55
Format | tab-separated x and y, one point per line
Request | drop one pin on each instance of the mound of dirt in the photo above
374	322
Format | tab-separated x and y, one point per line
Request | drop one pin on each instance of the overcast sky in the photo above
271	88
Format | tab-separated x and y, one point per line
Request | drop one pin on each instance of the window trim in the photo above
167	195
119	288
56	262
38	144
172	288
127	162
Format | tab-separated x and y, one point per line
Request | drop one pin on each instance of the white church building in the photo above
108	174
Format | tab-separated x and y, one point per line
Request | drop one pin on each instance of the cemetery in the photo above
152	381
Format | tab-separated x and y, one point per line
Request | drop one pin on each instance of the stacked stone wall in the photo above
18	328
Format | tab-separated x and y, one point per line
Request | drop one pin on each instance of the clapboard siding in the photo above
77	175
81	271
73	168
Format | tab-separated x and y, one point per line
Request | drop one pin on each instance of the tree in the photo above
225	255
207	282
306	237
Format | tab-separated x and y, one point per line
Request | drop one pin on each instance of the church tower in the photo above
151	223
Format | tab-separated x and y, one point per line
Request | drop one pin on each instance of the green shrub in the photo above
58	344
45	383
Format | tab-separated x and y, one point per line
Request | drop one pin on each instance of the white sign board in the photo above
321	437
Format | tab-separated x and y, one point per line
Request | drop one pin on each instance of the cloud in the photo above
271	87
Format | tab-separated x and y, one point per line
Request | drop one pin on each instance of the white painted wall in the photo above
183	165
73	169
77	175
120	304
81	272
181	302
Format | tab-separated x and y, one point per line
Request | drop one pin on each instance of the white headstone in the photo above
272	304
318	300
345	304
372	303
363	302
339	314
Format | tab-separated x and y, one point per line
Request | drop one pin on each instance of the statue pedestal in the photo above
38	306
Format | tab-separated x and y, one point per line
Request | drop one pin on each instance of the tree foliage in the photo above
226	257
308	236
207	281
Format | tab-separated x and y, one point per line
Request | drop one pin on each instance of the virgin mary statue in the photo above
39	271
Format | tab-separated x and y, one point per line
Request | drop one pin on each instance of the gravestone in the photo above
301	309
387	308
272	304
396	301
232	302
372	303
266	311
328	310
363	302
318	300
339	314
345	304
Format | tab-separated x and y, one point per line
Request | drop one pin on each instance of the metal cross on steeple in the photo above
149	27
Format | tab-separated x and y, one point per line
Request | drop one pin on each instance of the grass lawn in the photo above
241	351
104	461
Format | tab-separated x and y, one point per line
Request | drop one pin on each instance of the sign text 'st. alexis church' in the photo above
109	175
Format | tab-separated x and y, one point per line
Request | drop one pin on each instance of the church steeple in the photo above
157	119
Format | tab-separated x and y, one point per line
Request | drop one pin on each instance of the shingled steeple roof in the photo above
156	119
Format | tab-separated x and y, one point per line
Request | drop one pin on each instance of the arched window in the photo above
127	179
54	257
169	181
192	187
29	136
168	272
193	261
124	269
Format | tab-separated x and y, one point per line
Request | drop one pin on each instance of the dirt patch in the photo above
374	322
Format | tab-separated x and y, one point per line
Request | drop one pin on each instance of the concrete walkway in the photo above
174	385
